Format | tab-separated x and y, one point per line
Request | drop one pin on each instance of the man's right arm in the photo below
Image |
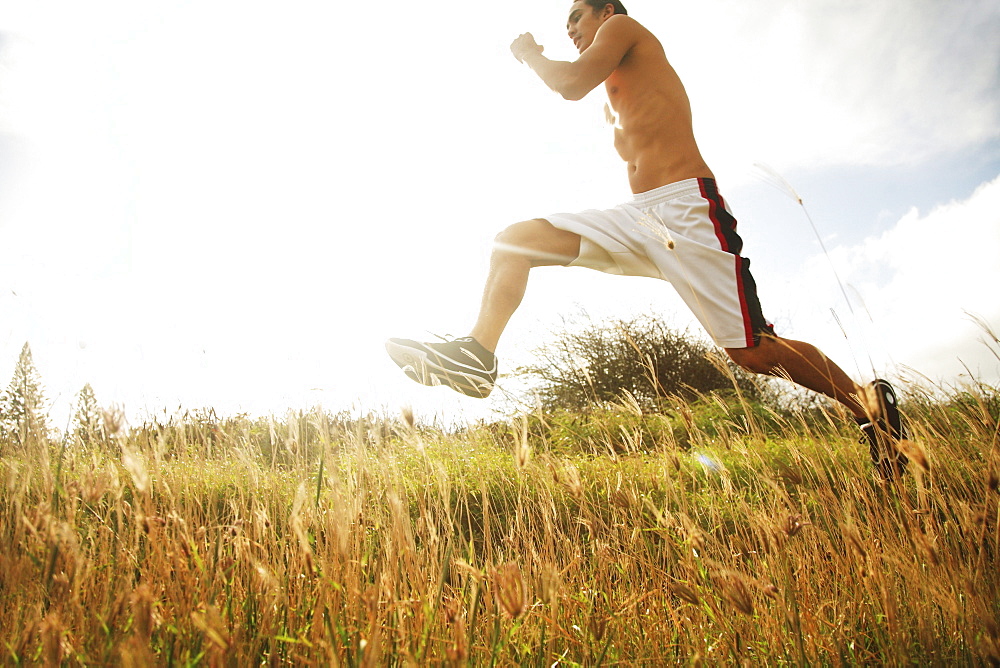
573	80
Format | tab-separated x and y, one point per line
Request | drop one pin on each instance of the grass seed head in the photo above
211	623
522	448
792	525
114	421
458	652
790	475
462	566
452	609
571	479
684	592
915	453
522	454
96	483
141	602
134	464
736	592
697	539
407	414
597	625
553	471
511	594
51	630
686	415
623	498
855	541
549	582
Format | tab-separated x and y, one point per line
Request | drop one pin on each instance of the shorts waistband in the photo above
668	192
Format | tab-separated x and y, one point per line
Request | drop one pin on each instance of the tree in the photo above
23	413
643	356
87	420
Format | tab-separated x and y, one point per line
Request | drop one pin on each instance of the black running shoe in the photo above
463	364
884	431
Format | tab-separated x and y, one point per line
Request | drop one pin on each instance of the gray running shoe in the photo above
463	364
884	431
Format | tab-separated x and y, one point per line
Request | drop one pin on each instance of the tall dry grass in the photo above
759	537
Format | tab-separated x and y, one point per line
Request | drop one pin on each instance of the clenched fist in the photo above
524	46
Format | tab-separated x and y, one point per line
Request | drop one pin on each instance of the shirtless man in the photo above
677	228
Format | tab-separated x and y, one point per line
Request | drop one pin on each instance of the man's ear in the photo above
609	11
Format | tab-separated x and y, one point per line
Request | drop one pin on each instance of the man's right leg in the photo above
468	365
519	248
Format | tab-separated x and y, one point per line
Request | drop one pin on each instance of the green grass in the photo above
715	532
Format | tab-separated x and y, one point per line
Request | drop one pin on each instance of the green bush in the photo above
644	358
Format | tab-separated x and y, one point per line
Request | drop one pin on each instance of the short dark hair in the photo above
598	5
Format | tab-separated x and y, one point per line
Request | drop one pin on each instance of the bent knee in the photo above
754	359
518	233
538	241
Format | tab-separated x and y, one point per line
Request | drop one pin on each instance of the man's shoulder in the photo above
621	22
626	26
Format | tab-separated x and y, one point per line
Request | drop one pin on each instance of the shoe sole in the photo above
419	366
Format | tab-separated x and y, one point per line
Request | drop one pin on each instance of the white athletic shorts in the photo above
683	233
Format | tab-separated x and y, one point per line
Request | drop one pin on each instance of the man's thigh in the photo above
540	242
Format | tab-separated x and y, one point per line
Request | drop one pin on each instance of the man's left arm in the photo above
573	80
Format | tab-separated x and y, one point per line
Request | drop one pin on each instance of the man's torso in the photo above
653	133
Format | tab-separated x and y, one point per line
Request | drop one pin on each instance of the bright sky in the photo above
233	204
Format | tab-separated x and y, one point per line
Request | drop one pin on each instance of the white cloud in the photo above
814	84
912	290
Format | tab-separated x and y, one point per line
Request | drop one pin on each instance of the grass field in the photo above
714	533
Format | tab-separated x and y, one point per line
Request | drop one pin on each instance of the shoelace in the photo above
447	338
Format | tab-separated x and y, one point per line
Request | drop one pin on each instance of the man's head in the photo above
598	5
586	16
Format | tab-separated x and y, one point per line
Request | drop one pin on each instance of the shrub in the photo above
643	357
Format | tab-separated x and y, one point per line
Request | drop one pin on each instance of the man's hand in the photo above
524	46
